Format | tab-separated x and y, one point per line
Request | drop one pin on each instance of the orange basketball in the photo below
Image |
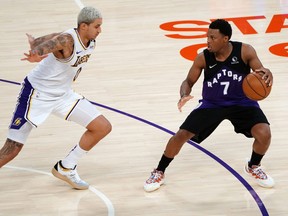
254	87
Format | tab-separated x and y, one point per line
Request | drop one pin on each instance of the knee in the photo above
104	129
262	133
184	135
176	142
181	137
100	125
108	128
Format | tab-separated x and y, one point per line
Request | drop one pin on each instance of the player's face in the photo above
215	40
94	29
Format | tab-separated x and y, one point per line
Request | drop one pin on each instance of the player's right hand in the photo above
183	100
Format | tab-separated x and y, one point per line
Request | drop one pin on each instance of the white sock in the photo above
71	160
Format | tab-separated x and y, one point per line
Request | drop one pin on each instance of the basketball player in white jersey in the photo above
47	90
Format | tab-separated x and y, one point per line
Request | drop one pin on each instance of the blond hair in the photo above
88	15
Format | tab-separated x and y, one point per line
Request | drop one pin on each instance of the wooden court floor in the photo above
143	54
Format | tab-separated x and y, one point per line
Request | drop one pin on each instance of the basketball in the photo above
254	87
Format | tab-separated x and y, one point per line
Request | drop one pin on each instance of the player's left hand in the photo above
266	75
33	56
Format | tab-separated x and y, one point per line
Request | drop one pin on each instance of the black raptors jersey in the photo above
222	85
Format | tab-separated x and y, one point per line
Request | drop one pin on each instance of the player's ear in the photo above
83	26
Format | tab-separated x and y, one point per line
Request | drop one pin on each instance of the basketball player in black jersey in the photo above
225	63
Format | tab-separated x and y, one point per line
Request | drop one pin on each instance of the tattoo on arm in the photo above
42	39
56	43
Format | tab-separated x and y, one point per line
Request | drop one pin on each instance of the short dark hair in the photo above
223	26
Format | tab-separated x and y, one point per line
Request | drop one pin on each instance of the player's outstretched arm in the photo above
33	42
61	42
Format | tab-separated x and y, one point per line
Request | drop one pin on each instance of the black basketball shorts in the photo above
202	122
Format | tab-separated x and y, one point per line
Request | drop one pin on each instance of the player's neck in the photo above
83	39
224	53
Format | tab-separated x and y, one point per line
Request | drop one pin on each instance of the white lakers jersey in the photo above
55	76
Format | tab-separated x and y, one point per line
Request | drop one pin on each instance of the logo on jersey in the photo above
17	121
211	66
234	60
81	59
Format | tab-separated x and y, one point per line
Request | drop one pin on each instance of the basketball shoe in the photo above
70	176
155	181
259	175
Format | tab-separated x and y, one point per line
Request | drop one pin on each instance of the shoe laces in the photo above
258	172
73	176
156	176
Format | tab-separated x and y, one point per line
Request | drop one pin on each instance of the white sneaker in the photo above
70	176
155	181
259	175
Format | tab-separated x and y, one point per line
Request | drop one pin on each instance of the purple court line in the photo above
194	144
11	82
